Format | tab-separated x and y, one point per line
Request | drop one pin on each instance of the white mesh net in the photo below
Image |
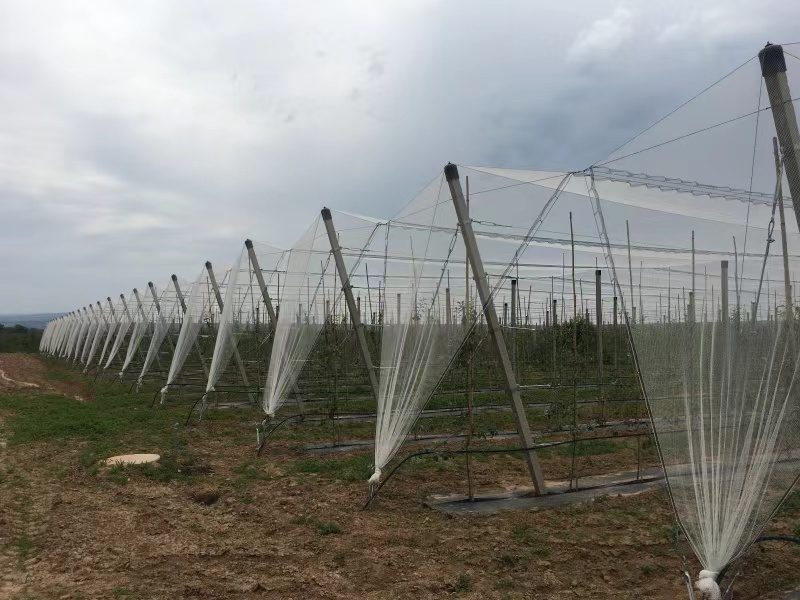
245	312
202	314
143	311
168	318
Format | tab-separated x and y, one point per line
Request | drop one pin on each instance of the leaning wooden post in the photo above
347	288
479	275
212	278
260	278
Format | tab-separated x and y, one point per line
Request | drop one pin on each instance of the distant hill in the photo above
37	321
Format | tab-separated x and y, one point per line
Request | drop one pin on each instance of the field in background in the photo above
211	520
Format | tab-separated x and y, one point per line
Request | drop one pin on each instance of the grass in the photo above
523	534
23	544
462	585
352	468
328	528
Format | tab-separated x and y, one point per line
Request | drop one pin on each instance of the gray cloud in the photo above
141	139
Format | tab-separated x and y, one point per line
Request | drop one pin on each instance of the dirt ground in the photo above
25	372
277	528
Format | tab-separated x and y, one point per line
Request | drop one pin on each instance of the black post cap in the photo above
248	243
598	272
108	298
326	214
174	277
208	264
122	296
135	291
150	284
450	172
772	60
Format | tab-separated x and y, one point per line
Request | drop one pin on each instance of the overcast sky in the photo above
139	139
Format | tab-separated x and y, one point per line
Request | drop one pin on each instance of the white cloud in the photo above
604	36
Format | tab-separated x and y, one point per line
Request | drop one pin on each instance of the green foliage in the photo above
587	447
19	339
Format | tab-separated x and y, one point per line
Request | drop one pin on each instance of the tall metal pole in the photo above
773	69
512	333
260	278
347	288
453	181
212	278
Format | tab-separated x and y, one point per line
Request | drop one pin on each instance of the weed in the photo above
24	546
509	560
118	474
300	520
503	585
326	528
462	585
524	535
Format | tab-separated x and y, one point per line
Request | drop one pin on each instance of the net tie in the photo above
706	586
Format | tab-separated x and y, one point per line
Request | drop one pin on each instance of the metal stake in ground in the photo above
453	181
351	303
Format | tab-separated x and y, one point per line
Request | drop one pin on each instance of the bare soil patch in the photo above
26	372
289	525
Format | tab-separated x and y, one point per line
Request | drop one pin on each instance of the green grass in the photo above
523	534
352	468
462	585
23	544
584	448
328	528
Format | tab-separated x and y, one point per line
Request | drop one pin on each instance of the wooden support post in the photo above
347	288
484	293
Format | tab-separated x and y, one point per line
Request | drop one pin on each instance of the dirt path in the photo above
20	372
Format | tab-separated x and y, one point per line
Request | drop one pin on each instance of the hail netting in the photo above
90	333
431	307
143	308
168	319
310	298
104	320
83	331
199	324
124	328
713	329
245	310
117	312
